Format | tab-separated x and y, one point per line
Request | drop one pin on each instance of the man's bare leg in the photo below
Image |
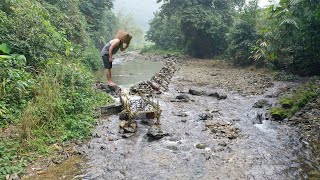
108	74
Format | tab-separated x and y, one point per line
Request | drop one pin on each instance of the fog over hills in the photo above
142	10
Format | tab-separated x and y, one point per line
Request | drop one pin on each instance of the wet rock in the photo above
155	133
127	135
277	116
261	103
213	94
201	146
155	86
214	74
222	96
113	90
111	109
180	114
217	95
232	136
286	105
205	116
96	135
258	119
171	145
225	130
223	144
195	92
125	127
183	98
183	120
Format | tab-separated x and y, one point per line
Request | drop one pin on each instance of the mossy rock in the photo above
278	114
286	103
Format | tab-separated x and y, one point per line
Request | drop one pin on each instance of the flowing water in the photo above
126	73
237	142
262	149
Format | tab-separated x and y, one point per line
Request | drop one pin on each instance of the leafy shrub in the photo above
30	32
11	160
17	85
64	105
289	36
242	41
243	36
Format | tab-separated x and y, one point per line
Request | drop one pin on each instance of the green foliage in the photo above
64	105
165	34
16	86
11	159
284	76
289	37
68	20
299	98
100	19
200	26
278	113
243	36
47	92
91	58
29	31
43	29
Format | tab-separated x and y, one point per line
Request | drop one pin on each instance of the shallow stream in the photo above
236	141
258	149
127	73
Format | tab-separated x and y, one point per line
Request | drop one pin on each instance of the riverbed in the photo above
209	137
235	141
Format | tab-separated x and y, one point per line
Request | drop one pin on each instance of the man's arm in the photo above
113	45
124	48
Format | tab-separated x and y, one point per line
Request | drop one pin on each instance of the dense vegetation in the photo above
48	49
282	36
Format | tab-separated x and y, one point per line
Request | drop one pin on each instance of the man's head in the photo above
124	37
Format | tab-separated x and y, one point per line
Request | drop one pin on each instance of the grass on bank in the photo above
297	100
62	110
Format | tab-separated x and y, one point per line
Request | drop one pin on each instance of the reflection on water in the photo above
132	72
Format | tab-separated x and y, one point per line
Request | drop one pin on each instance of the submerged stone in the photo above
261	103
183	97
201	146
195	92
155	133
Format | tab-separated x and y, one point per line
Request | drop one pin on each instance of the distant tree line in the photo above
282	36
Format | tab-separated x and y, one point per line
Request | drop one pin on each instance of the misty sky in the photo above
143	10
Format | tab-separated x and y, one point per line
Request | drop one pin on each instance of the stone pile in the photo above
158	83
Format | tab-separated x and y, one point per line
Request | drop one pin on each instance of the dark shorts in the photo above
106	63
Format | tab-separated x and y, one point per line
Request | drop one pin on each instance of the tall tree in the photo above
202	23
100	18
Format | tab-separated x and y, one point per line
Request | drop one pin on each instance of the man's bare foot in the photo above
112	83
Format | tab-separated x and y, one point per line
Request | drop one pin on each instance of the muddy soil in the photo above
210	138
